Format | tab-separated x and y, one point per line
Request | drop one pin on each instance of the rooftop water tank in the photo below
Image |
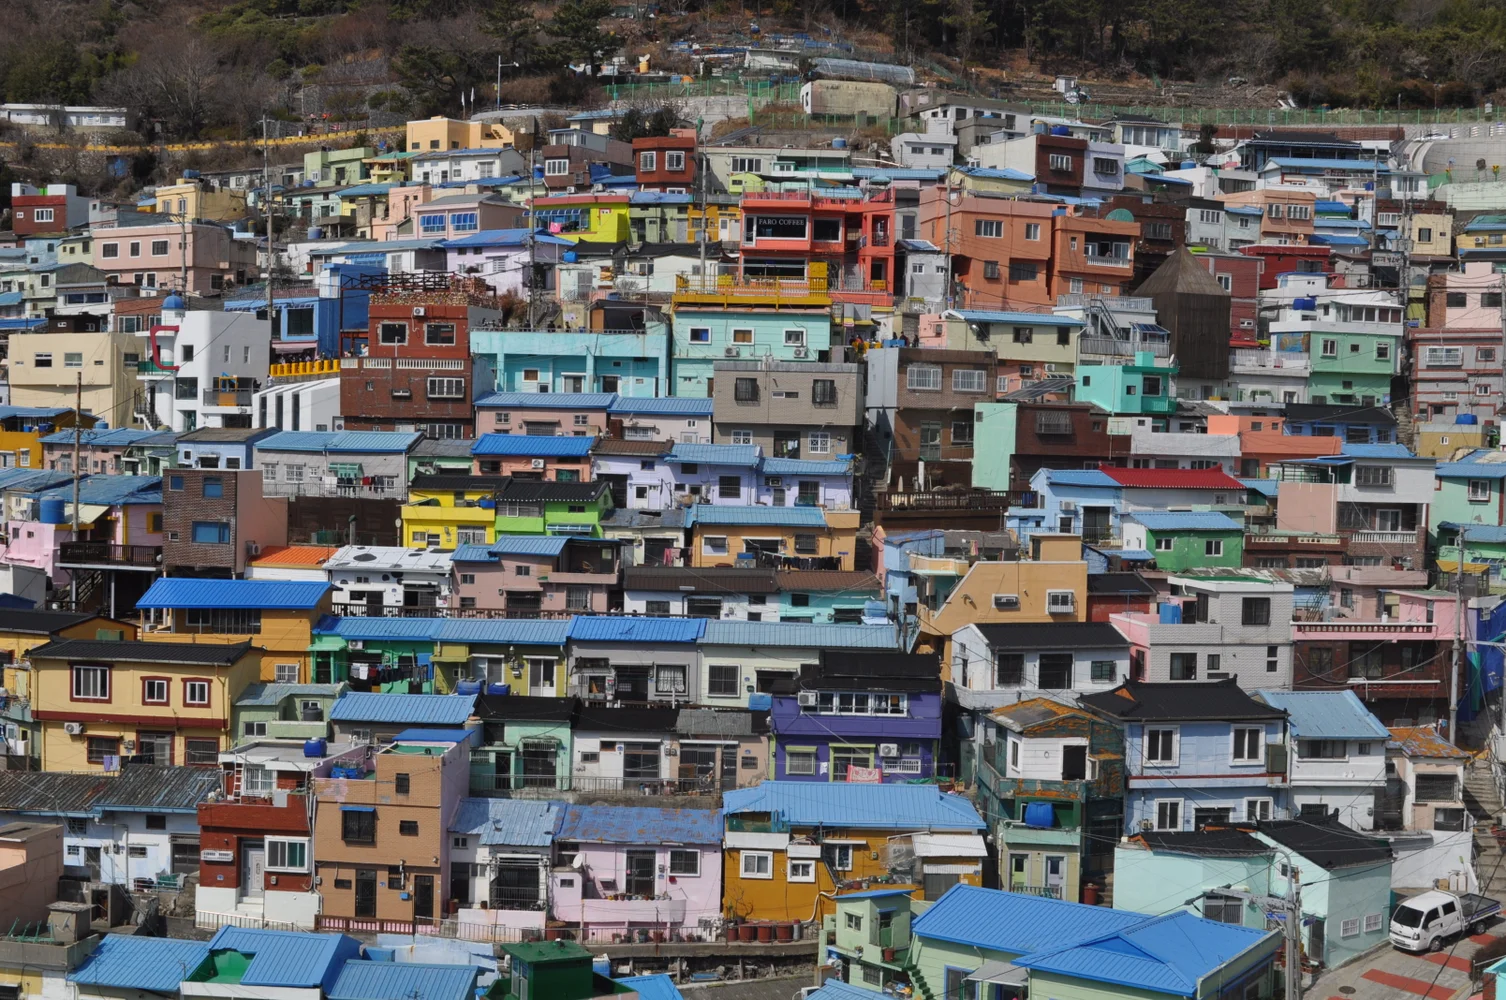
1188	165
316	233
468	687
1171	614
315	747
174	301
1039	814
1060	130
190	175
839	143
53	511
1466	418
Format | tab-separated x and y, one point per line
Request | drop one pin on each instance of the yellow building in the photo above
22	429
440	132
449	505
988	180
721	534
45	369
587	218
1051	586
787	842
194	199
97	700
277	616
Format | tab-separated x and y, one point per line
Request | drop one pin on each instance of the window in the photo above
745	390
1024	334
43	360
1022	272
1059	161
923	377
1436	788
1213	547
757	864
962	432
1009	669
988	227
159	248
1374	922
98	748
407	827
674	159
154	690
1321	750
91	683
1273	210
1330	348
1485	354
1249	745
196	693
1383	351
1255	611
794	338
722	678
214	487
1165	544
393	333
211	532
1372	475
135	248
446	388
286	854
969	380
669	679
1184	666
824	392
820	442
801	871
1104	671
685	863
800	761
556	168
1161	746
1168	814
358	825
1443	357
73	359
432	225
109	250
439	333
1224	909
1479	490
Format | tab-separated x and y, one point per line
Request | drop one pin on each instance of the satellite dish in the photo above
578	862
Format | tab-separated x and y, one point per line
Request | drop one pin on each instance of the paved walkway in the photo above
1389	974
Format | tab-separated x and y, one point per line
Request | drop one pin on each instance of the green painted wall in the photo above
1121	388
993	448
1189	549
1451	502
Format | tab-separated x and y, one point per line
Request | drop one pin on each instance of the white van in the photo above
1425	921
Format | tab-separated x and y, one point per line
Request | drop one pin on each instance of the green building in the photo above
1143	387
284	711
1470	491
526	744
993	423
1183	540
532	507
552	970
1354	347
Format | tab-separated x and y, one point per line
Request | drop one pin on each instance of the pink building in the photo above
31	862
536	576
1369	592
622	870
550	414
463	215
120	526
153	256
539	457
398	209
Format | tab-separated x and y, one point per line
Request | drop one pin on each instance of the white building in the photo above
1152	449
205	372
1339	763
312	405
448	166
507	843
926	151
383	580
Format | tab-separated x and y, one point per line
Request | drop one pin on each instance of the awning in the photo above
949	845
1003	973
297	347
1131	554
88	513
358	809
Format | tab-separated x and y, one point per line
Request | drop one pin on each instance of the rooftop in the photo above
1134	701
525	445
619	628
405	709
261	595
1326	715
388	557
639	825
1204	520
1053	635
1014	922
508	822
295	556
341	442
799	635
1329	844
209	654
1185	479
365	980
129	962
731	514
858	806
707	580
1424	741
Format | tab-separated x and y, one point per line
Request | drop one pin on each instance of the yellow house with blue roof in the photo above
588	218
278	616
782	537
447	509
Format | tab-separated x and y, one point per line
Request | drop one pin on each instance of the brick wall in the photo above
181	508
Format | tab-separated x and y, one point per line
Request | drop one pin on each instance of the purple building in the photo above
859	716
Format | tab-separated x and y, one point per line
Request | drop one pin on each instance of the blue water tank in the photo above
570	256
1171	614
190	175
316	233
174	301
762	701
99	425
468	687
499	689
1466	418
487	503
1189	165
315	747
54	511
1060	130
1039	814
602	967
839	143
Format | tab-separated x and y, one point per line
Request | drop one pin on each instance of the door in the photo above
1056	867
155	748
697	765
423	897
729	767
632	684
366	892
460	882
1095	524
540	765
640	869
1019	874
1055	671
1074	763
930	441
1317	940
1388	520
91	861
541	676
253	868
502	770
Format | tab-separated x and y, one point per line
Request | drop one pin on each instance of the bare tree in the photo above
175	78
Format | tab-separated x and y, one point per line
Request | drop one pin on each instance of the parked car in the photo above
1426	921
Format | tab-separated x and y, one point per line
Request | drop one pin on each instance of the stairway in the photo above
1484	804
1405	427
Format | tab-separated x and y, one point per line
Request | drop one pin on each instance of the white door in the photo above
253	868
1055	865
541	676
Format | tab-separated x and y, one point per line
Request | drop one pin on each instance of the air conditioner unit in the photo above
801	352
888	749
805	699
1006	602
73	728
1069	506
253	548
537	463
1050	367
128	746
1146	826
418	311
356	644
773	481
731	352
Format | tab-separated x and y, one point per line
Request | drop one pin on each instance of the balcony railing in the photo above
1114	347
228	397
1311	630
944	501
1049	891
1268	359
1386	537
109	554
524	786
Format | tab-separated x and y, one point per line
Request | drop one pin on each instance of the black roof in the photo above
39	622
227	434
867	670
1218	841
1301	412
208	653
709	580
457	481
1328	844
1135	701
1054	635
1112	584
538	490
627	720
511	708
1298	137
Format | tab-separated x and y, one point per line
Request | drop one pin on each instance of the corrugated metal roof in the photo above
526	445
406	709
128	962
880	807
108	438
263	595
1377	451
786	517
1193	520
835	989
1028	318
296	556
508	822
109	490
471	736
394	558
714	722
798	635
266	695
549	400
1176	479
1471	470
700	580
1079	477
617	628
857	582
1013	922
29	480
287	958
1423	741
161	789
526	545
639	825
351	627
499	631
1265	487
716	454
655	987
341	442
363	980
1326	715
680	406
805	467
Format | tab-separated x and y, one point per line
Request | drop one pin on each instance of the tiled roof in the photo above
716	454
639	825
279	595
1053	635
860	806
407	709
1328	844
1184	479
526	445
1194	520
1326	715
129	962
132	651
706	580
1207	842
268	695
621	446
1424	741
34	622
615	628
508	822
726	514
341	442
855	583
149	788
1115	584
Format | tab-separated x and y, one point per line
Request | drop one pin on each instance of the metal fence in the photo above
1267	116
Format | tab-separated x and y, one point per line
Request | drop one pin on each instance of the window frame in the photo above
1176	746
744	856
101	670
304	843
680	854
1239	743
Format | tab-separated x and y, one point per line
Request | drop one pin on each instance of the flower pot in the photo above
785	932
746	932
732	934
765	933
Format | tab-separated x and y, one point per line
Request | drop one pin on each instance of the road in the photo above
1396	975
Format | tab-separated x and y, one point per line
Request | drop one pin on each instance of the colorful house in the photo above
526	743
743	662
1339	765
284	711
553	459
275	616
552	576
1181	541
1142	387
1471	490
789	537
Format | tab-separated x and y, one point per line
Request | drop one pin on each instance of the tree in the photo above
174	78
970	24
512	24
576	30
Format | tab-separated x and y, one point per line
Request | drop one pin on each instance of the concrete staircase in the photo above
1405	428
1484	804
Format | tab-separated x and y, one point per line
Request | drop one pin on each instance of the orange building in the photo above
1001	247
1287	212
1263	441
1092	255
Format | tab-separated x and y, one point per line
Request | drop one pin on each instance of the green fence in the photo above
1268	116
757	91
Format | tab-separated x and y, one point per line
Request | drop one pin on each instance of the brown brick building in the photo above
214	521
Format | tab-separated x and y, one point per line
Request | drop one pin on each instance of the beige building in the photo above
45	369
440	132
778	405
194	199
151	256
1430	779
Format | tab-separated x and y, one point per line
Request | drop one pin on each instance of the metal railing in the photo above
1048	891
1268	116
511	784
209	920
363	610
1114	347
108	553
1386	537
1268	359
228	397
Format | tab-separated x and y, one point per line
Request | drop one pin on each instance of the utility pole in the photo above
1293	932
78	409
702	178
266	185
1458	664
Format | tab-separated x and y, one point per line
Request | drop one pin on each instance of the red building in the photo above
1287	258
666	163
784	230
51	208
1240	274
1059	162
416	372
1118	593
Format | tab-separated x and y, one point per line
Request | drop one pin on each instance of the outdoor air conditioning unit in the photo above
1006	602
73	728
773	481
537	463
1069	506
1050	367
731	352
128	746
357	644
805	699
418	311
801	352
888	749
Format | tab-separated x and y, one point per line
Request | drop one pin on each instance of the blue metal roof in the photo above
124	961
11	298
1335	240
997	173
1244	210
525	445
835	989
1471	470
355	627
1265	487
617	628
676	406
1489	534
798	634
504	238
777	517
419	735
1341	224
364	980
366	190
406	709
1034	319
656	987
31	480
715	454
287	958
879	807
549	400
1325	163
266	595
1196	520
898	173
517	545
659	198
508	822
39	412
805	467
504	631
1012	922
341	442
112	437
1325	205
1378	451
639	825
1080	477
1326	715
1167	954
110	490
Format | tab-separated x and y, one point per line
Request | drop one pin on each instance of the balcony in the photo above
1386	537
730	290
300	371
107	554
545	785
1352	630
259	814
152	368
1116	348
1287	539
630	911
1290	361
228	397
